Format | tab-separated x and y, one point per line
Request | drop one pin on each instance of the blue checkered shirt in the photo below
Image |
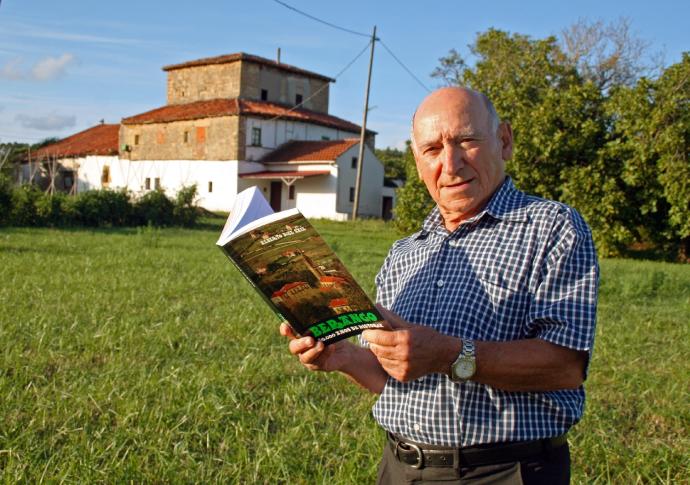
522	268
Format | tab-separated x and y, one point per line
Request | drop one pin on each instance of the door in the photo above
276	195
387	208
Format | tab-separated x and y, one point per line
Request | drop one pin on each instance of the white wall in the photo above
173	175
276	132
370	196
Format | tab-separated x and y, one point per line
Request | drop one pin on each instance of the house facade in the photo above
231	122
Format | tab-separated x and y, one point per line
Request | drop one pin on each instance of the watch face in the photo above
464	369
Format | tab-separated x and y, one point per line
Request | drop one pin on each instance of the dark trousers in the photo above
548	468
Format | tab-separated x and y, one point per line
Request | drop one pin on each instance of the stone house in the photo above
234	121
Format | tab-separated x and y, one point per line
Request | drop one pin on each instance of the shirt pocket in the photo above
510	302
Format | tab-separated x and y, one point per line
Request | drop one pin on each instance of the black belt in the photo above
418	455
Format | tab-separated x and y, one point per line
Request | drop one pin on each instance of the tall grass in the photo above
143	356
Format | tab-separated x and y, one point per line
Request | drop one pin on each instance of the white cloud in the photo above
12	70
51	67
45	69
48	122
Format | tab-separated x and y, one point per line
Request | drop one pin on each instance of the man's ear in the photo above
506	137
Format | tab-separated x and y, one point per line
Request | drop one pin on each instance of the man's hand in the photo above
410	351
313	354
357	363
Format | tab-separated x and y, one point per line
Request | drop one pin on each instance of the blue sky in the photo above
66	65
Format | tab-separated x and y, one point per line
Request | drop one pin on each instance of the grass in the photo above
143	356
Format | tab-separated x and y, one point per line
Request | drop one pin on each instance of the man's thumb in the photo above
395	321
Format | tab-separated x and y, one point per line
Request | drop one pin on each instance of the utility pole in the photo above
360	158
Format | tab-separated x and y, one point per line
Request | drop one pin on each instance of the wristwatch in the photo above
464	366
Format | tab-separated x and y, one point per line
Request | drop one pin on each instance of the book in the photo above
298	275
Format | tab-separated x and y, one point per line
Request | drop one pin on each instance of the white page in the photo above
249	206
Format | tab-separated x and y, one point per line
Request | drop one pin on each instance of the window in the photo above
136	139
264	94
201	134
291	193
354	162
105	176
352	194
256	137
157	183
147	183
298	99
210	187
186	137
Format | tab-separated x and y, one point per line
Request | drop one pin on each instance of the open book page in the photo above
249	206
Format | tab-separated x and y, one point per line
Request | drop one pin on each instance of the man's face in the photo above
459	156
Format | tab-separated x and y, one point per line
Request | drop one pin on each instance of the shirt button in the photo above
439	283
454	243
417	427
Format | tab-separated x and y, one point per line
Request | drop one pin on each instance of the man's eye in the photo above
430	150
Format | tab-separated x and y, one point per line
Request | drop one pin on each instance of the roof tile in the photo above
232	107
98	140
241	56
304	151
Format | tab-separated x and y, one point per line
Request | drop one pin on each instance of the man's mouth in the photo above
458	184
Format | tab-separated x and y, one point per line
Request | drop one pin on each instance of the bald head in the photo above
458	94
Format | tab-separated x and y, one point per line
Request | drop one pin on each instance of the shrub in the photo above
184	211
5	199
154	207
50	209
24	211
102	208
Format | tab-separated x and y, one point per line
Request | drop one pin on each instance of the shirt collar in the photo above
506	204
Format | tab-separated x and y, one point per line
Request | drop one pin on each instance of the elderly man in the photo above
492	310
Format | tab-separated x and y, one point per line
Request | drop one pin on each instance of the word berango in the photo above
342	321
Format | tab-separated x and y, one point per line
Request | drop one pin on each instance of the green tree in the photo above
413	199
393	162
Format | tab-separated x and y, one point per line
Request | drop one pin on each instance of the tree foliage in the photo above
393	162
588	129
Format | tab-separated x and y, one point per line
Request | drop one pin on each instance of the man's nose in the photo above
453	158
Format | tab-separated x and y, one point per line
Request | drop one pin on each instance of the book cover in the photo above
296	272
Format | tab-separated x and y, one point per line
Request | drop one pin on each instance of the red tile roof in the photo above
97	140
241	56
276	175
233	107
304	151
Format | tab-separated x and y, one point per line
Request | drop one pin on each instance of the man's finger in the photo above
394	320
380	337
383	351
286	331
300	345
309	356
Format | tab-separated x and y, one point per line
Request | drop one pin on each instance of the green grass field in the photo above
144	356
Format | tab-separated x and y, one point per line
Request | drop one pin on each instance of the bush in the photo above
50	209
102	208
414	202
155	208
24	212
184	211
5	199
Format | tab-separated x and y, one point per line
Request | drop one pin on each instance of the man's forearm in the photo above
520	365
364	369
529	365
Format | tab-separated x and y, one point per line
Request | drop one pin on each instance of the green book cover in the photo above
295	271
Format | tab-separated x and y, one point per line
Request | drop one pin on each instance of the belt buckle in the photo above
417	449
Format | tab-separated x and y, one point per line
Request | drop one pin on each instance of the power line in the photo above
404	66
319	20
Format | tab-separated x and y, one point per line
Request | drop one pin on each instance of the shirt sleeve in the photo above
565	302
